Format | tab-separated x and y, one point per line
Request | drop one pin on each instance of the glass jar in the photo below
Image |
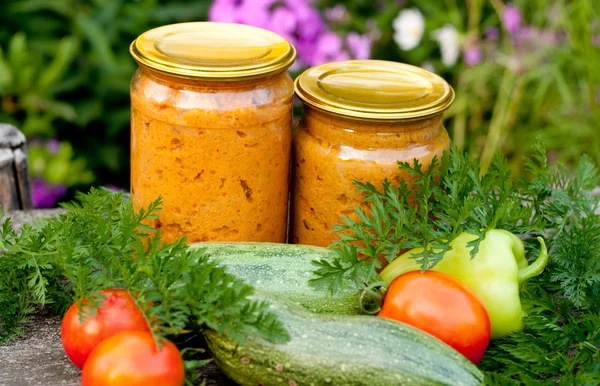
211	117
360	119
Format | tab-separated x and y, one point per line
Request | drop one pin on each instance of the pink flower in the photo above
284	19
372	30
511	19
472	55
299	22
45	194
337	14
328	46
342	55
296	20
359	45
53	145
492	33
114	188
223	10
253	14
310	22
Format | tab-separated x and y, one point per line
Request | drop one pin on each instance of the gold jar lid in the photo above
213	51
374	90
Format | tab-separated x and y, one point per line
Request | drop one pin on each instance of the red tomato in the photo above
132	359
442	306
117	313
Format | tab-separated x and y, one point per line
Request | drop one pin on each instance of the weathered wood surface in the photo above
39	359
15	190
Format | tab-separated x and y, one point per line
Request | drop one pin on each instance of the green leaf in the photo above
17	51
98	40
37	124
65	54
6	75
61	7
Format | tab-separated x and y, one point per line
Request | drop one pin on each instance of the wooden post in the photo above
15	188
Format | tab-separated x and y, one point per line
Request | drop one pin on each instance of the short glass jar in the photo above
360	118
211	124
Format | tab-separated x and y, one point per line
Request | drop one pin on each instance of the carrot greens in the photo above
102	242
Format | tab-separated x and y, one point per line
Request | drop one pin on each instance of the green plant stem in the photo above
503	115
459	126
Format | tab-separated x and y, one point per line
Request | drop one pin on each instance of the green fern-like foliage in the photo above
102	242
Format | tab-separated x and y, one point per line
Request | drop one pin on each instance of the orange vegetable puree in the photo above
217	152
329	153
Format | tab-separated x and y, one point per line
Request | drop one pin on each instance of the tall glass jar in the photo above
211	116
360	119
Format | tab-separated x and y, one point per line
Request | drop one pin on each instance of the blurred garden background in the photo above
520	69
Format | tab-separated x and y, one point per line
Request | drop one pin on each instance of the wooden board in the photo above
15	190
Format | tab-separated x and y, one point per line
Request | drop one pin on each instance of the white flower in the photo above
409	26
427	65
448	39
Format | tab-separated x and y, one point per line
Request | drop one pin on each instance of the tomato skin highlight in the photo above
131	358
441	306
117	313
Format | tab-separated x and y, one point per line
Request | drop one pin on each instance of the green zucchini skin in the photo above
353	350
283	270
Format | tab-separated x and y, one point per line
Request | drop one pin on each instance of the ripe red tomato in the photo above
132	358
117	313
442	306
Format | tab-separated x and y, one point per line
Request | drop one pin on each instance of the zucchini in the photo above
283	270
353	350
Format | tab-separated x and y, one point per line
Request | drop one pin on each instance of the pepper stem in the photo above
371	298
537	266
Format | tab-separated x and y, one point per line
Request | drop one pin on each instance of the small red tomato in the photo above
132	359
117	313
441	306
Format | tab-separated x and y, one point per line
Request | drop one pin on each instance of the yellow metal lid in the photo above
374	90
213	51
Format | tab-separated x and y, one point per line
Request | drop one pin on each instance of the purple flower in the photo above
596	40
511	19
530	38
241	11
34	141
285	20
298	21
472	55
45	194
327	49
253	14
373	31
337	14
223	10
492	33
53	145
114	188
310	22
359	45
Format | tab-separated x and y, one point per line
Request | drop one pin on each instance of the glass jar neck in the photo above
338	131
